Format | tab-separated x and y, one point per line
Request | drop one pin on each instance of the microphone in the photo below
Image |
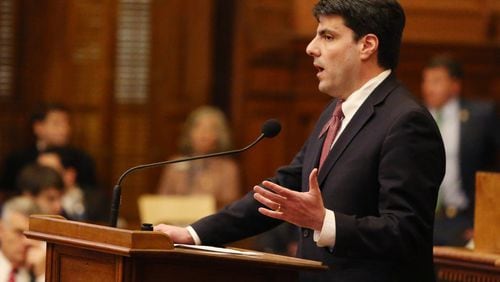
269	129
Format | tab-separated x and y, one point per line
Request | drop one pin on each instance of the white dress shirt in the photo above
22	274
451	193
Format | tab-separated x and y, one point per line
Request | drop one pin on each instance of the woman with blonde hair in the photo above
205	131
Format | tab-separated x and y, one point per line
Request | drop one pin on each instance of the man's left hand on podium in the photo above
179	235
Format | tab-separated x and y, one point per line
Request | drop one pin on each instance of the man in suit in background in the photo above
51	127
21	259
470	134
368	212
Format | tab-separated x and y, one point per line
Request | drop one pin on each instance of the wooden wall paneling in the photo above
180	68
167	53
169	101
131	122
465	21
262	51
40	50
198	34
90	33
239	59
261	84
131	137
276	19
438	26
269	81
224	15
304	23
54	68
8	27
10	119
15	131
262	161
482	71
181	53
494	25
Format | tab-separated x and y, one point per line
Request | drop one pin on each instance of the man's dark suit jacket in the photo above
381	180
479	142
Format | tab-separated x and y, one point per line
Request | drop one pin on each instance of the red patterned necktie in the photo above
333	127
12	275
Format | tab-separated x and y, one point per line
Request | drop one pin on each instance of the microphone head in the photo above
271	128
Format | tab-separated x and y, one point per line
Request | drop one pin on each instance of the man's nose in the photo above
311	49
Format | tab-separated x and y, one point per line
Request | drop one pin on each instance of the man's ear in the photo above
70	175
37	128
368	46
456	87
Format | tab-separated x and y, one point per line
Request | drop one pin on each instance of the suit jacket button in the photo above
305	233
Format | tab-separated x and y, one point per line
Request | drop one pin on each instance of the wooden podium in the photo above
85	252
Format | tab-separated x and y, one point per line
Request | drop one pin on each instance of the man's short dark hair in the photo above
35	178
384	18
42	110
451	65
65	154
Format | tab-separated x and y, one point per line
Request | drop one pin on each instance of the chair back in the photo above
175	209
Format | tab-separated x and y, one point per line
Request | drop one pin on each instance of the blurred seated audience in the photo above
470	131
44	186
51	127
79	202
205	131
21	259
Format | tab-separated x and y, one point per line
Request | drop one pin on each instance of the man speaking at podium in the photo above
363	188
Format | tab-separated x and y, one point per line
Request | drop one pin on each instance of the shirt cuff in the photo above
326	237
193	234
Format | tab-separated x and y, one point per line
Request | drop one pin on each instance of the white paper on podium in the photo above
218	250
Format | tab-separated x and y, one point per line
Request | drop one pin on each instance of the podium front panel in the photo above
80	265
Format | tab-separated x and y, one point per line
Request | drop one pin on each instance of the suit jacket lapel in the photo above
359	119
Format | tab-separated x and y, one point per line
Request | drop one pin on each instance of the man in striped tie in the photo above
21	259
